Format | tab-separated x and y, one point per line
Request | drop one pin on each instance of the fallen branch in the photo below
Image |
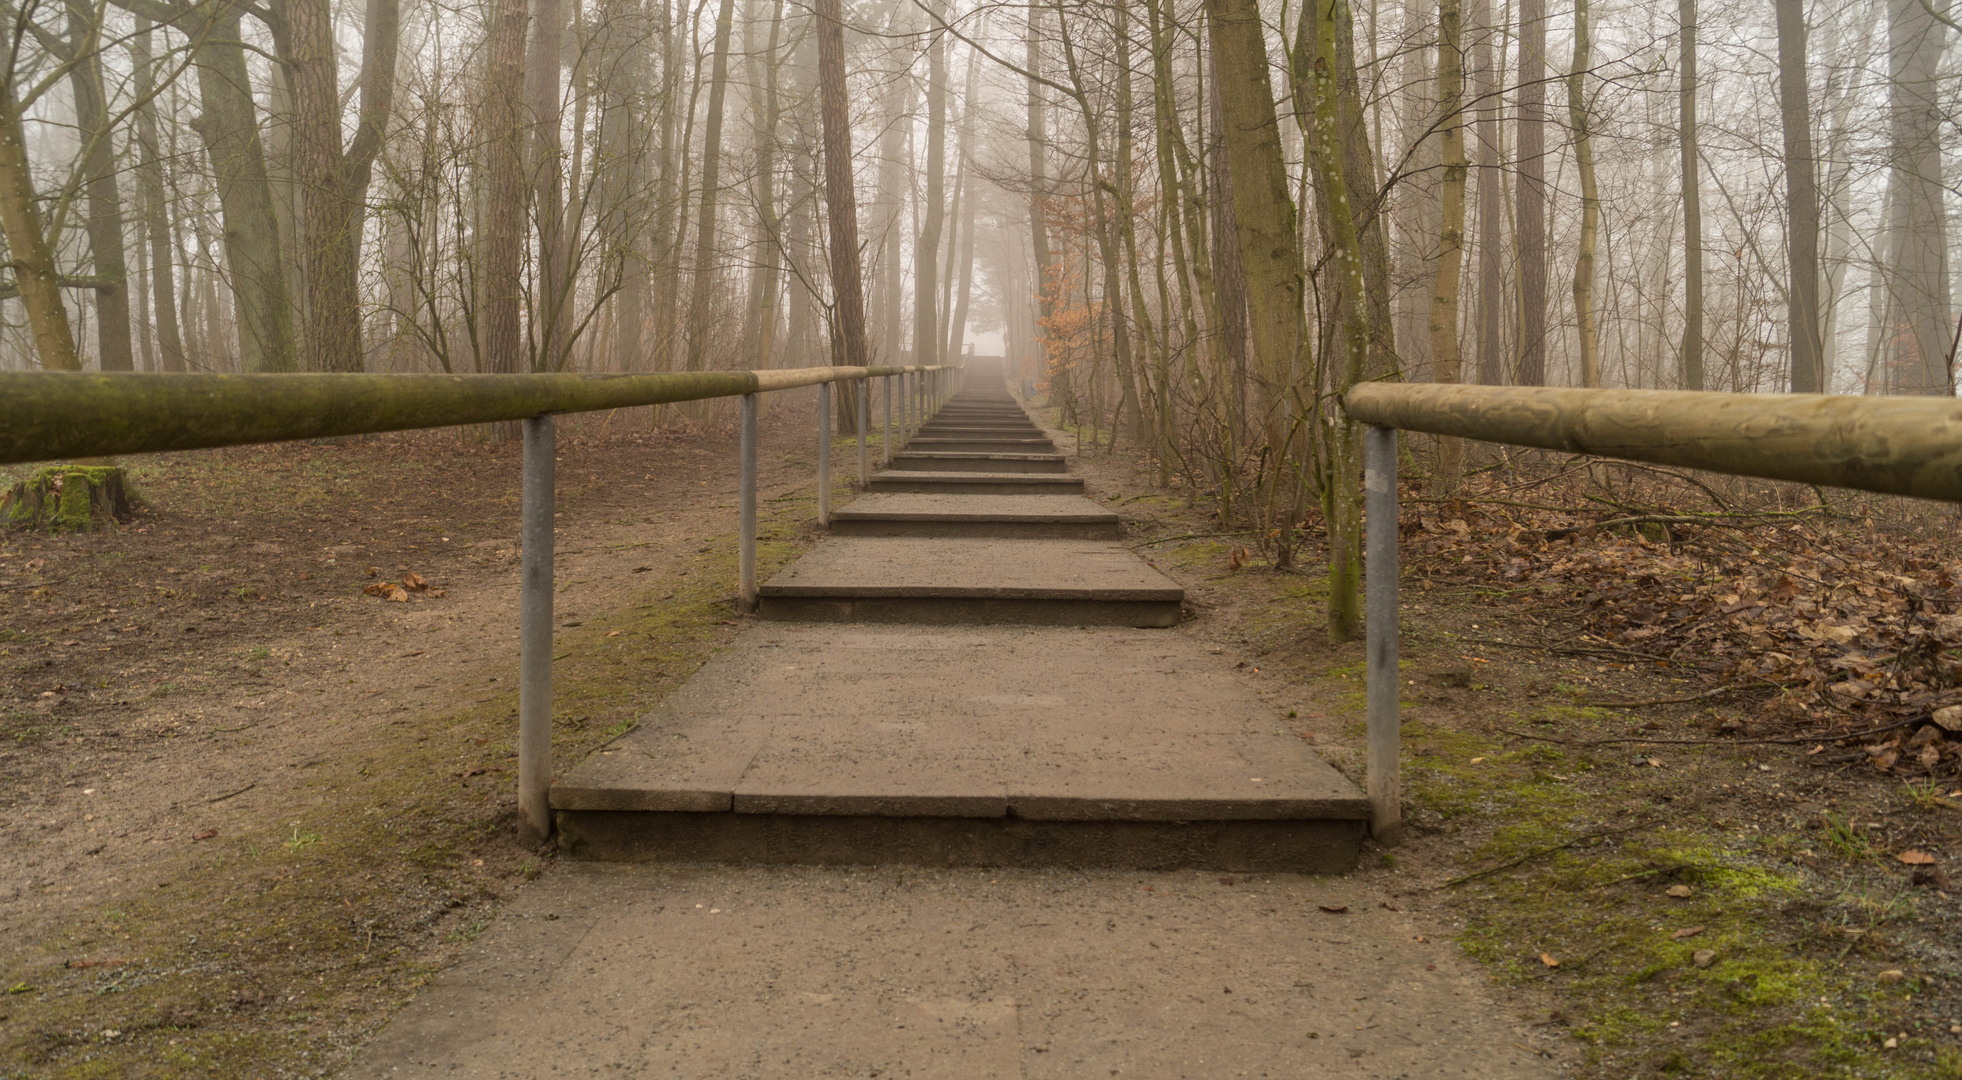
1718	742
1189	536
1718	692
1531	855
231	794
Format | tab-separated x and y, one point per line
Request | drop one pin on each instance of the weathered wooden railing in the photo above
1892	445
50	416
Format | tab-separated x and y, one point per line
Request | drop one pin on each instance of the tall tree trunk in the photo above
1692	192
926	254
847	299
114	348
1808	374
1531	213
229	125
1451	231
1270	250
1038	135
502	136
1322	44
27	243
964	261
760	327
335	180
1492	366
156	210
1418	198
705	239
1918	274
545	66
1577	116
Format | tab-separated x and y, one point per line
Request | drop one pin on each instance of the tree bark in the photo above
502	136
114	347
926	253
840	198
1692	185
27	243
229	127
1531	212
544	68
1451	229
156	209
1577	116
760	329
1918	276
1807	373
1492	366
705	239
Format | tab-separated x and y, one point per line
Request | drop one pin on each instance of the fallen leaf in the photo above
642	569
613	633
1949	717
1914	857
1680	892
1686	932
1548	960
1891	976
1238	558
70	643
374	571
413	582
379	588
1334	909
1703	958
396	595
204	835
439	593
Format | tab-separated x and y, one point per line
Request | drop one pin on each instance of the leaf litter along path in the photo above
248	807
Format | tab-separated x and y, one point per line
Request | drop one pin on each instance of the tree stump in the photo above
70	498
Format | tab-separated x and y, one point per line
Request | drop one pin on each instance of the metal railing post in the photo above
863	390
885	442
824	455
535	633
746	589
905	408
1380	582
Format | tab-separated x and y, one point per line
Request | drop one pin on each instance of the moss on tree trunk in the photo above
70	498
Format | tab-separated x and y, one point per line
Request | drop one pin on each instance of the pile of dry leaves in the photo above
1846	620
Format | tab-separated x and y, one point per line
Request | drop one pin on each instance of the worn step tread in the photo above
965	568
904	506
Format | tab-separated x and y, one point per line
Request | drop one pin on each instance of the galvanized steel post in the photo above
1380	553
824	455
863	391
535	633
885	442
746	587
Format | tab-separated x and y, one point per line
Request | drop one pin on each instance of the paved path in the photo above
1047	843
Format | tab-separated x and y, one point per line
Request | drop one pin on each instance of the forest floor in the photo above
1670	764
251	809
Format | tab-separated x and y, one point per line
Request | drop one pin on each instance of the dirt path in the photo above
194	705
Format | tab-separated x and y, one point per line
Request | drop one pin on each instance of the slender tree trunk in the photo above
1802	202
1492	366
156	211
1692	193
546	93
503	137
1532	193
229	126
1919	270
760	329
27	245
114	348
1038	135
926	254
699	313
1451	233
1577	116
1418	194
839	196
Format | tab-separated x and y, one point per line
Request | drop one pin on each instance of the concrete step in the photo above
933	429
914	459
983	445
974	483
967	582
992	746
1021	517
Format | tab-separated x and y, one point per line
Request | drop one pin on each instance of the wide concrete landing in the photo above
915	459
963	581
777	973
975	483
1021	517
988	746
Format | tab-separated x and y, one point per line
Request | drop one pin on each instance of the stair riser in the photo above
954	611
983	446
1297	847
982	530
916	463
963	487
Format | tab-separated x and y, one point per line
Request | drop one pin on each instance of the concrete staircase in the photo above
970	671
